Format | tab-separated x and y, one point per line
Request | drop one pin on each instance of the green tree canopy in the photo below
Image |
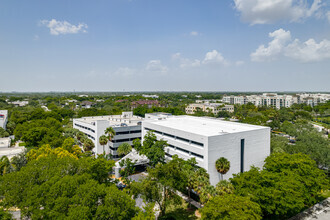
152	148
231	207
124	149
66	188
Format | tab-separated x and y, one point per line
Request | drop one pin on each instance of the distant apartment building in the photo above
127	128
278	101
208	139
148	103
208	107
313	99
3	118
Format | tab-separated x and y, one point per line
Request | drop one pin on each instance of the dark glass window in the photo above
197	143
197	155
242	155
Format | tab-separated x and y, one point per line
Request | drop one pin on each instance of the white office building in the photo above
208	139
127	128
3	118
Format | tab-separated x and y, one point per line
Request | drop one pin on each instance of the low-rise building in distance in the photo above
19	103
148	103
87	104
209	107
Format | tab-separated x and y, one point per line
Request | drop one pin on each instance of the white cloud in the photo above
275	47
271	11
156	66
308	51
194	33
63	27
210	57
214	57
283	46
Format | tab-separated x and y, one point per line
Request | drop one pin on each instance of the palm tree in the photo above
110	132
201	178
124	149
80	135
222	165
88	144
224	187
103	140
207	192
5	166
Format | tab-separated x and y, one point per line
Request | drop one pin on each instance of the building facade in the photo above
214	108
278	101
208	139
3	118
127	128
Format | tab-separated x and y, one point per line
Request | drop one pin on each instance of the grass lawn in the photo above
180	212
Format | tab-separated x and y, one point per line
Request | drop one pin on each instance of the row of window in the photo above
177	138
90	136
124	140
186	151
80	126
128	132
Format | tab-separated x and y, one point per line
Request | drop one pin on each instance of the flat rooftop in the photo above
5	142
204	126
114	120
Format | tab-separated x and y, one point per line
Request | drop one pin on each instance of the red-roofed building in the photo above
148	103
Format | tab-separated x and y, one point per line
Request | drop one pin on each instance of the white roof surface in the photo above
11	151
135	157
114	120
5	142
204	126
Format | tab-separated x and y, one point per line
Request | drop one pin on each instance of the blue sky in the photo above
165	45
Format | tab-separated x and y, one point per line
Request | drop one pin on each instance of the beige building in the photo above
209	107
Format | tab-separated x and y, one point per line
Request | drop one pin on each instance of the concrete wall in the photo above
178	143
257	148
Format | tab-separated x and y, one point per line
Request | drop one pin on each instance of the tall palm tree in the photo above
110	132
103	140
88	144
222	165
124	149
